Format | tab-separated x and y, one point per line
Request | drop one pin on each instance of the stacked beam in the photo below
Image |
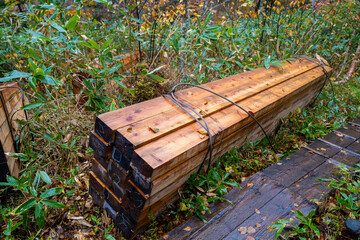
9	112
144	153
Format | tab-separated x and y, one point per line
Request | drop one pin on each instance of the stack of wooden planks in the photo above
144	153
9	112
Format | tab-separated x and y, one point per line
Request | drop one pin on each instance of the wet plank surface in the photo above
278	191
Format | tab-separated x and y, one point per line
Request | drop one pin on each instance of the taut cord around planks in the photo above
6	113
327	78
182	105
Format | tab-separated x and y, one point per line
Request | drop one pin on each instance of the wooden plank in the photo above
100	172
310	188
175	118
355	147
106	124
356	121
103	150
259	194
119	178
347	158
277	208
160	156
96	189
183	171
339	139
324	148
292	168
350	130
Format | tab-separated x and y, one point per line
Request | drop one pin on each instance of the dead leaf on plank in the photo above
249	238
166	236
154	130
242	230
263	218
202	112
258	225
187	229
257	211
202	132
249	184
189	93
129	130
251	230
323	149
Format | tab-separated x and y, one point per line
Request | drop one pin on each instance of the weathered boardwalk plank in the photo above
278	191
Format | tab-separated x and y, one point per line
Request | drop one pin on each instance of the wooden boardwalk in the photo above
277	191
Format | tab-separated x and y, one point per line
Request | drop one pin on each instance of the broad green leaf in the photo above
32	106
156	69
94	44
26	205
53	204
155	77
14	75
109	237
106	44
58	27
39	215
72	22
45	177
51	192
45	7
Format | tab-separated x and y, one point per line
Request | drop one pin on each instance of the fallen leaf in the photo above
166	236
279	163
202	132
67	137
211	194
84	222
205	103
202	112
257	211
263	218
297	185
251	230
258	225
323	149
296	205
242	230
129	130
187	229
154	130
200	189
249	238
189	93
249	184
202	136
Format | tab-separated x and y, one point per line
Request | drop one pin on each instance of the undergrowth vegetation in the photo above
76	59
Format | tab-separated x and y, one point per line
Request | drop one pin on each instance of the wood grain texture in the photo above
244	83
160	156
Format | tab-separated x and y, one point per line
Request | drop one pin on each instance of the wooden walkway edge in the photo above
278	191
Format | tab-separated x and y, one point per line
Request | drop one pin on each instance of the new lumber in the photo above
179	175
145	153
245	84
158	157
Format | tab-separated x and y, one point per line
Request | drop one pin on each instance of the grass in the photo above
50	46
